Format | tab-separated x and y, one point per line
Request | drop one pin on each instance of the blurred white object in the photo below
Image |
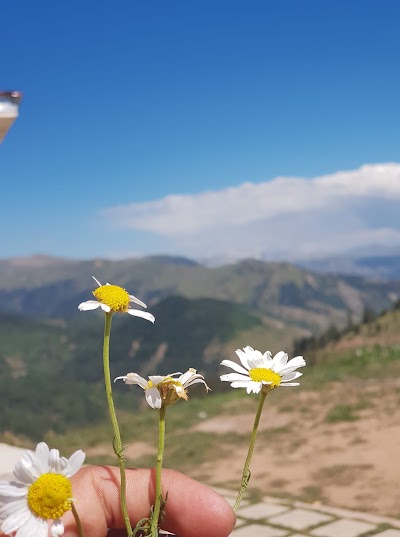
9	456
9	102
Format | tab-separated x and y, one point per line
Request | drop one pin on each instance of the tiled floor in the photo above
279	518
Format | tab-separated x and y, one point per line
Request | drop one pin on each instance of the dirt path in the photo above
300	454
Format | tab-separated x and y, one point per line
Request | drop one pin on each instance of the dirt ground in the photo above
339	445
303	455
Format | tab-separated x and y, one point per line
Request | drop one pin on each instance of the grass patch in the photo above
374	361
182	451
340	413
274	431
287	408
309	494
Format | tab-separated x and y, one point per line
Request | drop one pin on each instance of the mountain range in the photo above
310	301
50	353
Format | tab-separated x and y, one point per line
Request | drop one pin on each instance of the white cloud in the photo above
286	217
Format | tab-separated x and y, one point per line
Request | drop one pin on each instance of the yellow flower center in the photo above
50	496
113	296
260	374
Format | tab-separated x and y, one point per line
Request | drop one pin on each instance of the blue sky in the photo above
130	103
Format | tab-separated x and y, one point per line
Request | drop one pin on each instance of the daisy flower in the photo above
112	298
41	491
165	390
262	372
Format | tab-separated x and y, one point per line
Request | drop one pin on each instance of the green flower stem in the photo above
77	520
246	470
160	456
117	435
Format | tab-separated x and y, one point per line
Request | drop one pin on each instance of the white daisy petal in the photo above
279	360
34	526
175	374
75	462
57	528
257	361
240	383
236	367
16	520
291	376
254	387
290	384
194	381
42	456
186	376
89	305
230	377
133	378
153	397
142	314
288	369
105	308
10	491
243	358
54	459
62	467
25	473
12	507
156	379
137	301
267	357
30	461
97	281
296	362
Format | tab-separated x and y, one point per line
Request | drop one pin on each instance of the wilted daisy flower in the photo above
165	390
172	389
41	491
112	298
261	370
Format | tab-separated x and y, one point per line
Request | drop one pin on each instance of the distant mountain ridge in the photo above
384	267
311	301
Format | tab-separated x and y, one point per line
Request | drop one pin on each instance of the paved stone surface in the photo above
300	519
340	512
261	510
344	528
256	530
275	517
240	522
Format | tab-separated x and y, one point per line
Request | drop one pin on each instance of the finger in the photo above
192	509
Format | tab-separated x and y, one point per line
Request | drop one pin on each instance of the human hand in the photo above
192	509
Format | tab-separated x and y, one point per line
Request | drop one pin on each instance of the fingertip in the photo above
194	509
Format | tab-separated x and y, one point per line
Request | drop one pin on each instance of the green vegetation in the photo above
51	376
340	413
